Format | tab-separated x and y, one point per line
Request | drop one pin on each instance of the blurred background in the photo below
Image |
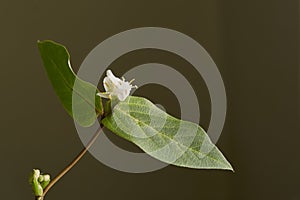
255	45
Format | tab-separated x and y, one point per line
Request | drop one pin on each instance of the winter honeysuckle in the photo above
115	87
133	118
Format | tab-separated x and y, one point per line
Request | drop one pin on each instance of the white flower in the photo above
115	87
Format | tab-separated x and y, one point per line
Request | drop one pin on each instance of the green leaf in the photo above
164	137
56	61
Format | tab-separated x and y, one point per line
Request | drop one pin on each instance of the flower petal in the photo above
122	95
114	80
108	86
104	95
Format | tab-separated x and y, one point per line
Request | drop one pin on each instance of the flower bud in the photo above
46	177
41	178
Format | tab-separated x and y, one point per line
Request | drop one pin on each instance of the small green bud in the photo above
46	177
36	173
38	190
46	181
38	182
36	186
41	178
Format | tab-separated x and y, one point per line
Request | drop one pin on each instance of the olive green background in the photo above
255	46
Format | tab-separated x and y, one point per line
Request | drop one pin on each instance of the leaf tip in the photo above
229	167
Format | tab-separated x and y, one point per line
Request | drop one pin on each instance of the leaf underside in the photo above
56	60
164	137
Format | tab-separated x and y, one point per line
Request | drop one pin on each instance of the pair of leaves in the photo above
136	119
